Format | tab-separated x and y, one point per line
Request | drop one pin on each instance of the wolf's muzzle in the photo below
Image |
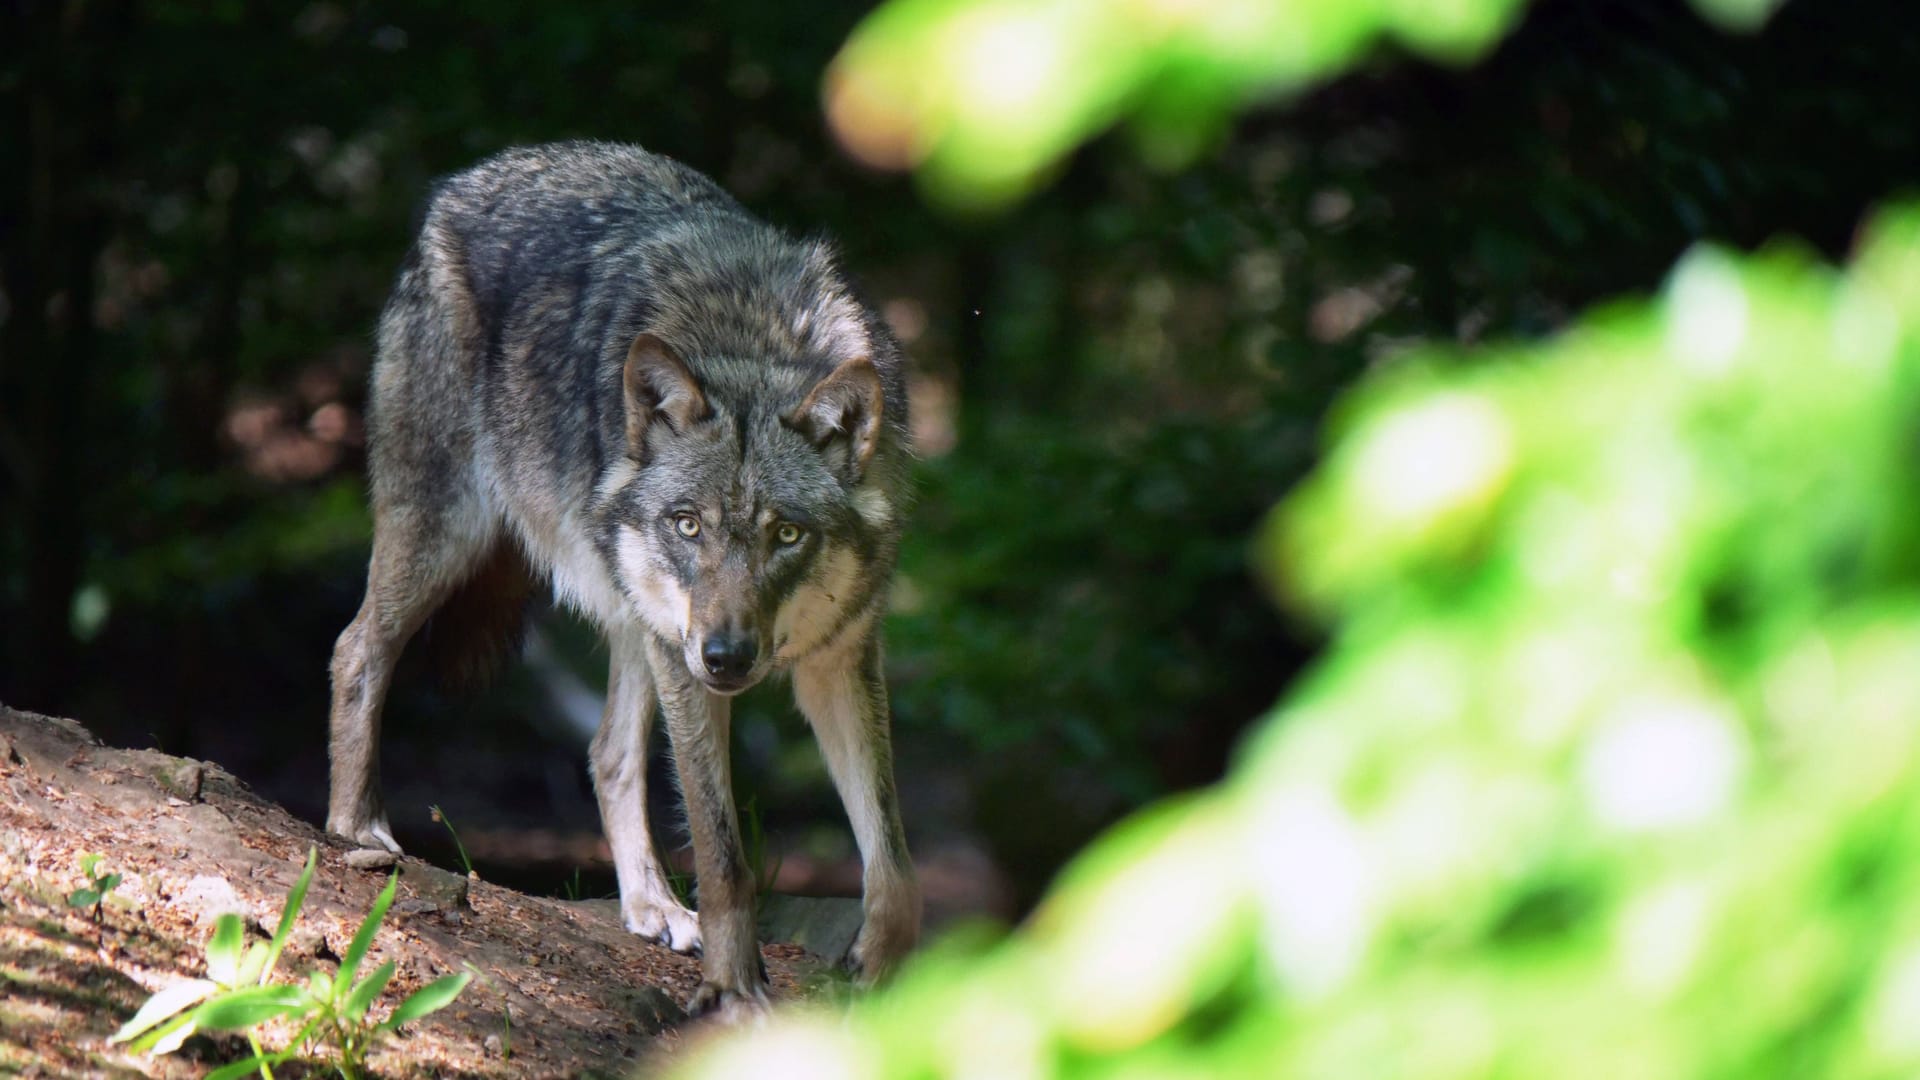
729	659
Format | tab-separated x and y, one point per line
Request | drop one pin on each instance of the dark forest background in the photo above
202	205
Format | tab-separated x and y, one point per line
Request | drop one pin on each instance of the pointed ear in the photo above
841	415
660	387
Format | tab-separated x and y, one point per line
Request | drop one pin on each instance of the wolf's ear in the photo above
659	387
841	416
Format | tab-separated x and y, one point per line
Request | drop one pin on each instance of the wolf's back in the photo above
578	212
526	270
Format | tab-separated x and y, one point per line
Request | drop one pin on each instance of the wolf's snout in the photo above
728	657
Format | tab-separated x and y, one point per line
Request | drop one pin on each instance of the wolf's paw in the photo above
666	924
374	834
732	1007
887	935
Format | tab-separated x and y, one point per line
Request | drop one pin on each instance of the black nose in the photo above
729	657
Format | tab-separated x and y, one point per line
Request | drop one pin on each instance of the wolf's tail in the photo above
483	622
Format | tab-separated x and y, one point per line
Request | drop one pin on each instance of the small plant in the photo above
441	817
236	995
506	1031
753	840
681	882
575	888
98	884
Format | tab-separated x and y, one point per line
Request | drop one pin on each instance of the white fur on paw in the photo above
379	833
373	834
667	924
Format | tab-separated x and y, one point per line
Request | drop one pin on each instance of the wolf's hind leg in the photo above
619	757
419	557
843	694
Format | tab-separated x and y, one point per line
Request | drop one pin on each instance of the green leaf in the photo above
168	1038
246	1066
287	914
223	950
363	938
252	964
248	1006
163	1004
367	991
89	863
430	998
304	1038
82	898
108	883
320	986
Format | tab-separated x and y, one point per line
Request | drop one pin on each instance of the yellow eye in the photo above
788	533
688	525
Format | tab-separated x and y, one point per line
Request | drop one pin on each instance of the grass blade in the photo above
294	899
167	1039
367	991
245	1066
363	938
249	1006
441	817
430	998
162	1005
252	964
223	950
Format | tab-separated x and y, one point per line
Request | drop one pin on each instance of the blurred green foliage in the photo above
985	97
1164	345
1609	771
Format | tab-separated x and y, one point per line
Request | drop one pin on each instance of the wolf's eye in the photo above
686	525
788	534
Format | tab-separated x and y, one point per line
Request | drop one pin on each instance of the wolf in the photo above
598	372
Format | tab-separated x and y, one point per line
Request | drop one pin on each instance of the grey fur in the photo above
694	430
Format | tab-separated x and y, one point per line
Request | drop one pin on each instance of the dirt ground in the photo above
563	990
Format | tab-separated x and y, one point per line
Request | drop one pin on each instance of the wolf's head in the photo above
754	526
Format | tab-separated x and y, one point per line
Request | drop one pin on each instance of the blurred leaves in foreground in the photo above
1610	771
984	97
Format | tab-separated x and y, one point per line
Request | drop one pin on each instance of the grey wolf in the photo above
597	371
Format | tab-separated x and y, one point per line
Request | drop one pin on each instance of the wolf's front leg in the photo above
844	696
619	756
733	979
